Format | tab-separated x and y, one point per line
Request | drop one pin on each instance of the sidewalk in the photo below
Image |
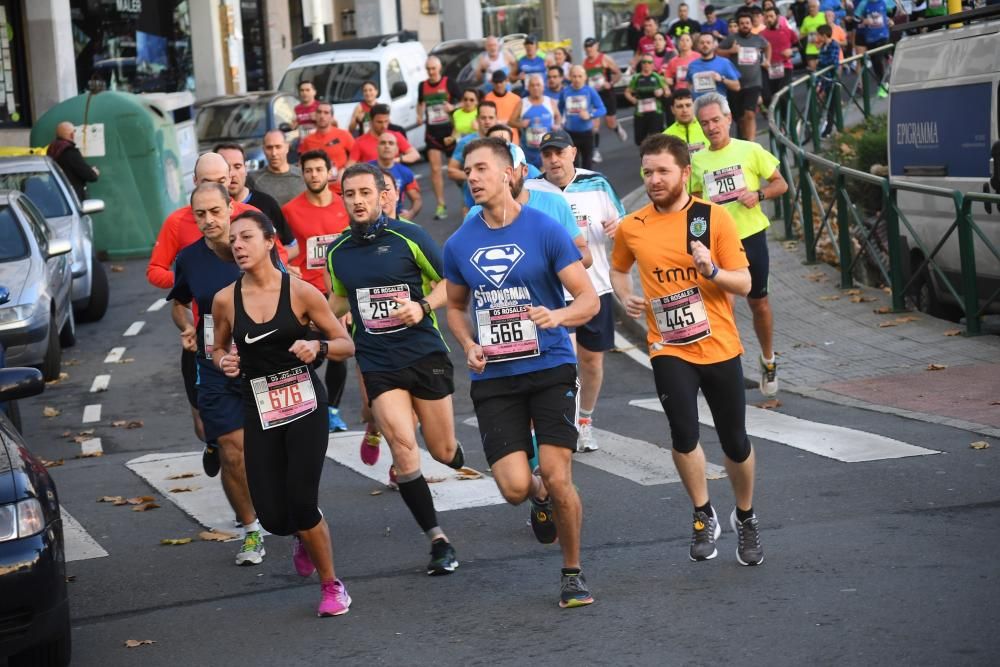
833	346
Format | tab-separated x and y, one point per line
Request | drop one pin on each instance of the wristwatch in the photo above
760	196
426	306
324	347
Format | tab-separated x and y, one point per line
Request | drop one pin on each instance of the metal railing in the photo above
878	235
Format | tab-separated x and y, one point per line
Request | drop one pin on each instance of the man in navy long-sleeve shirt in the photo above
581	106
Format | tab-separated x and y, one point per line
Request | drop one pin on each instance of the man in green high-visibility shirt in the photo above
807	32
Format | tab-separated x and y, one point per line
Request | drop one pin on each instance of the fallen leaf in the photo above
887	290
90	455
132	643
468	473
980	444
831	297
66	434
216	536
145	507
183	475
183	489
953	332
70	362
852	292
936	367
801	345
52	464
883	325
994	402
883	310
908	318
127	360
138	500
135	423
791	245
862	299
49	411
816	277
117	268
435	480
118	422
62	378
769	404
375	492
117	500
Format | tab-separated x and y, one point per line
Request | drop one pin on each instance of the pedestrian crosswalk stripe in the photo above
834	442
78	542
205	503
134	328
157	305
92	413
115	355
635	460
100	383
450	493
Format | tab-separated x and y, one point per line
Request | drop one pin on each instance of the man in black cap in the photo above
507	102
530	63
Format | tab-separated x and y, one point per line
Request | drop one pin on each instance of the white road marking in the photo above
635	460
157	305
100	383
449	494
134	328
115	355
79	544
632	352
92	413
91	447
206	502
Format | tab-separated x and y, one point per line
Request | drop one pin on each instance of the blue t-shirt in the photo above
402	260
529	66
198	275
459	156
511	267
553	205
878	10
554	94
572	100
720	26
723	66
404	178
541	121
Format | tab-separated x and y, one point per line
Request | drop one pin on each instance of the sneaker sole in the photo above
441	571
732	522
563	604
253	560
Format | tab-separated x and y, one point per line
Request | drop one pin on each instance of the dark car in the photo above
9	408
244	119
457	57
34	609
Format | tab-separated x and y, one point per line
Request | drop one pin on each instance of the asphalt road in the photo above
884	561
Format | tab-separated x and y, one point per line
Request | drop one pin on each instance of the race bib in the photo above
378	307
725	185
748	55
365	126
681	318
878	20
507	333
576	103
316	250
682	73
597	82
694	148
283	397
934	4
533	135
776	71
208	333
437	114
647	105
811	38
703	82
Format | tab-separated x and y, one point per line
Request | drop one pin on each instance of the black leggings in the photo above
283	467
677	382
335	378
584	142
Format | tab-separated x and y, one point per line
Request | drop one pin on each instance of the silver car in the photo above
48	188
36	321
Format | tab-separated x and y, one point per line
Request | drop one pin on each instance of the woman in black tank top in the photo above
267	313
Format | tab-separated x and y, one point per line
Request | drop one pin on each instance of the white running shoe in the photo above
585	441
622	134
768	378
597	156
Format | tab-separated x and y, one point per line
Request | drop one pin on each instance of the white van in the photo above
338	70
944	111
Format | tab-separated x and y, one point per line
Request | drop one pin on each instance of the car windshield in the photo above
615	40
238	120
12	242
338	82
41	188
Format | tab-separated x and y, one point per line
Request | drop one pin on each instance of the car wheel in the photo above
67	337
52	363
99	293
56	652
923	296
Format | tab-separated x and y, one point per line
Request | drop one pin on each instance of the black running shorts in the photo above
430	378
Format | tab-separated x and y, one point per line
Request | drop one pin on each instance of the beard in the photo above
516	187
667	199
318	189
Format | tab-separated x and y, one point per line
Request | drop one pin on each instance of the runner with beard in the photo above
691	265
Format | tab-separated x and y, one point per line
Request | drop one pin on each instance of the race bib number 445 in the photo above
283	397
507	333
378	307
725	185
681	317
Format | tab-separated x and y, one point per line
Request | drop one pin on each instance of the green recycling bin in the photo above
133	144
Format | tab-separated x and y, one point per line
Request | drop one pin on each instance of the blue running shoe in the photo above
334	420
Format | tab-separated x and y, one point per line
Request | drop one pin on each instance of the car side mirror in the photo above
59	247
89	206
398	89
17	383
285	127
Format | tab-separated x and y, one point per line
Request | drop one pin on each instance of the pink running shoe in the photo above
335	600
300	558
371	445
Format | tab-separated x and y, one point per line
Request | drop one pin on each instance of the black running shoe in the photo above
574	591
748	549
210	460
459	461
443	559
541	521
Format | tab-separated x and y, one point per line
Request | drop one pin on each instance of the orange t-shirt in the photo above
693	316
314	227
506	106
337	144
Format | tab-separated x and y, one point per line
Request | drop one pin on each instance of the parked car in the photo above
614	43
9	408
245	119
458	58
339	69
41	179
37	320
34	607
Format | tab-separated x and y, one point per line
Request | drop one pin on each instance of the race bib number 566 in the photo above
507	333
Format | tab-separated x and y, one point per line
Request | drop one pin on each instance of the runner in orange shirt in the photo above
691	262
330	139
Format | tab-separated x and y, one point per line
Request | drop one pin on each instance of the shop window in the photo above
13	78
